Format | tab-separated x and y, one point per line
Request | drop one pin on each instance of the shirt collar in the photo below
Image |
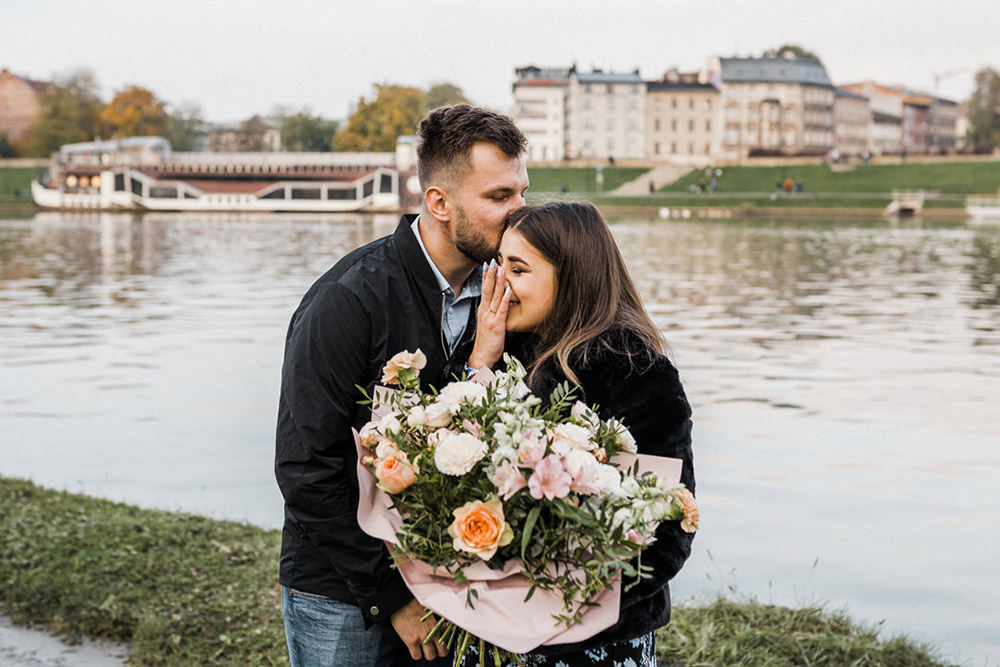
473	284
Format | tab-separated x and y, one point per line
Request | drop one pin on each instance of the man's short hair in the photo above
448	134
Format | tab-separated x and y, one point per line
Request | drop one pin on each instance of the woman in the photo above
561	300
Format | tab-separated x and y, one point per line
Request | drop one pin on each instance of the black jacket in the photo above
378	300
646	394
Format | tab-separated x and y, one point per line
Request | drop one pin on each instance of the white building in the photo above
540	111
606	115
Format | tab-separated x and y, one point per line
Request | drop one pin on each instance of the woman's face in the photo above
532	280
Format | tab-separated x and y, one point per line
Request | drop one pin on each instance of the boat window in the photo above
385	184
368	187
340	193
119	182
277	193
163	191
188	195
136	186
305	193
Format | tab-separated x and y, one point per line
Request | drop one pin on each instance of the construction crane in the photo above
939	77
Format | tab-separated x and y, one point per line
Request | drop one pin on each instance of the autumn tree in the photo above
68	113
796	51
134	112
443	95
304	132
984	111
185	126
375	125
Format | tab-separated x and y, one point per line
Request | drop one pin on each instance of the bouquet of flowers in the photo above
484	481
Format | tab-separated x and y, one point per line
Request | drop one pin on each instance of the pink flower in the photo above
509	480
403	361
550	479
531	455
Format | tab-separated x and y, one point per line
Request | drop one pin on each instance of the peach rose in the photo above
480	528
401	361
394	475
689	508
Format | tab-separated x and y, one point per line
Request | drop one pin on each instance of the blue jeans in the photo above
328	633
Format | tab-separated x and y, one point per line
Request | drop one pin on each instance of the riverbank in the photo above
181	589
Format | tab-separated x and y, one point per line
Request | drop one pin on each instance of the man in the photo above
418	288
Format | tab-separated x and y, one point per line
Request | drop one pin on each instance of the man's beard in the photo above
469	242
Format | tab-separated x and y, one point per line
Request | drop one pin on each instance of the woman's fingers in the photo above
496	296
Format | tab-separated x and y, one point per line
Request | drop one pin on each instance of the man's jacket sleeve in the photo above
327	356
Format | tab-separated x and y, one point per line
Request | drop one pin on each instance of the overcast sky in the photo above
240	58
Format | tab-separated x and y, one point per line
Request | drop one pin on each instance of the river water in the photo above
844	374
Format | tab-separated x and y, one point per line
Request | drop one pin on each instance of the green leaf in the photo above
529	526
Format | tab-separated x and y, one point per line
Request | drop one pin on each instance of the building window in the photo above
691	126
611	89
656	148
673	124
708	126
656	124
673	103
708	105
673	147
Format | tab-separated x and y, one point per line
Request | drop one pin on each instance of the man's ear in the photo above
437	203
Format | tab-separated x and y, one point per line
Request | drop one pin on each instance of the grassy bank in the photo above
581	179
15	184
186	590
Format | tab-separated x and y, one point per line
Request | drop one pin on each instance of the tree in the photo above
68	113
443	95
185	126
375	125
984	110
785	50
304	132
134	112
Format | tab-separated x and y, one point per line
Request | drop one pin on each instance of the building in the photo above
253	135
852	123
887	134
540	110
20	100
773	105
605	115
682	120
928	124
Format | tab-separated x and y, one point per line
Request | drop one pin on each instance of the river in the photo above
844	375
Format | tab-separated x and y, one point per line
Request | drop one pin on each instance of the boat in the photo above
143	174
983	208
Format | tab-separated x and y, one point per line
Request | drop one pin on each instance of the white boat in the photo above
141	173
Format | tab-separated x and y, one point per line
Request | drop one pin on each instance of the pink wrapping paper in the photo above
500	614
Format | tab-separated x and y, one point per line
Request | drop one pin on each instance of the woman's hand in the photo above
491	319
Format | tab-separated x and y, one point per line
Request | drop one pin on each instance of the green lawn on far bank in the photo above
15	184
581	179
187	590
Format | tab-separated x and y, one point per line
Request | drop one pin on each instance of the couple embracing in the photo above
475	274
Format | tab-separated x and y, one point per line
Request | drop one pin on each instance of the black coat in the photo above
378	300
646	395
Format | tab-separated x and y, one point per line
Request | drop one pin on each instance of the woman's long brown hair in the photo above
593	289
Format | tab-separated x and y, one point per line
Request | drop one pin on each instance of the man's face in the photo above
493	189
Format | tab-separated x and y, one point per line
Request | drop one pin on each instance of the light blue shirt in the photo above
456	309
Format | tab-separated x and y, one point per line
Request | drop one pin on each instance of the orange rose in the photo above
403	360
689	509
480	528
394	475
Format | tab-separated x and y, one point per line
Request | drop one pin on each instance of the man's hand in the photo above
412	631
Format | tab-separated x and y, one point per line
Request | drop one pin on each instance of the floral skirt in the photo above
638	652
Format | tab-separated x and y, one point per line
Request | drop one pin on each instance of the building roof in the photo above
844	92
657	86
774	70
598	76
532	73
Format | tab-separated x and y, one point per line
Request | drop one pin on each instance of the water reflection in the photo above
844	375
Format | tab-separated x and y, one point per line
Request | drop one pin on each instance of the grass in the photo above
187	590
581	179
15	184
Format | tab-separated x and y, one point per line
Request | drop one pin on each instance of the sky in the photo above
235	59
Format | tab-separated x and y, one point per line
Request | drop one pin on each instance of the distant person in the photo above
788	185
343	603
799	186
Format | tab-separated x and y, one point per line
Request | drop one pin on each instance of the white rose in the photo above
437	415
388	424
609	480
579	460
458	453
625	438
416	417
582	412
567	437
388	448
456	393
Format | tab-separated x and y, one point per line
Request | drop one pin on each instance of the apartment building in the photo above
19	104
605	115
773	105
852	123
540	110
682	120
927	123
